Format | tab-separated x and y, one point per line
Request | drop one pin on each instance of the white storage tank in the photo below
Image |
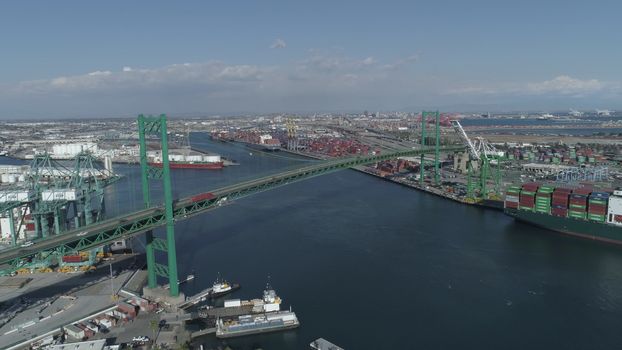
176	157
211	158
12	178
4	178
194	158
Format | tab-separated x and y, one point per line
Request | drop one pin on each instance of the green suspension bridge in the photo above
153	216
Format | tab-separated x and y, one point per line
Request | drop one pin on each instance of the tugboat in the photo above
222	287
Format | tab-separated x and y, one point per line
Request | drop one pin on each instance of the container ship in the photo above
186	158
266	143
579	212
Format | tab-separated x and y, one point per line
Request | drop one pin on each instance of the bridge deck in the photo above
147	219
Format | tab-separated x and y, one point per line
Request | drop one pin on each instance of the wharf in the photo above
206	294
197	298
488	203
203	332
220	312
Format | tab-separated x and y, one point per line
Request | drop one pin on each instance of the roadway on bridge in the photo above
154	217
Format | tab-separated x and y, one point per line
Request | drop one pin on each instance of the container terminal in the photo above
571	187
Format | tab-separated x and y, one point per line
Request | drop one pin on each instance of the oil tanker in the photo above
580	212
186	158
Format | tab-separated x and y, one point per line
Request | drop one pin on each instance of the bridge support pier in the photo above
157	126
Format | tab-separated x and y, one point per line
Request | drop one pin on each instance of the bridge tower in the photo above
156	126
292	138
437	145
437	153
422	164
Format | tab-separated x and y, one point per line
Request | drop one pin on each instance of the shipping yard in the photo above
314	175
564	186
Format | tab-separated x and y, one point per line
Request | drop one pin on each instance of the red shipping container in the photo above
512	205
559	212
72	258
597	212
582	190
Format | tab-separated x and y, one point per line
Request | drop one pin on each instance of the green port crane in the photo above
482	153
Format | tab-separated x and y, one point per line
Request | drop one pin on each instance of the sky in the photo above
120	58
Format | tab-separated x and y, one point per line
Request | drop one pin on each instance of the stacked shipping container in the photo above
577	207
597	206
581	203
512	197
527	196
543	199
559	202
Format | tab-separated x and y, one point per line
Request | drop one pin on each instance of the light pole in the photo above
111	282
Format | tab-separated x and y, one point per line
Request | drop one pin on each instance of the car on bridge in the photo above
83	233
27	244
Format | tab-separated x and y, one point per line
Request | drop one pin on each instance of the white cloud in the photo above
565	85
99	72
323	79
278	44
190	74
401	62
368	61
562	85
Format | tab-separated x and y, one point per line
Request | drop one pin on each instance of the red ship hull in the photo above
176	165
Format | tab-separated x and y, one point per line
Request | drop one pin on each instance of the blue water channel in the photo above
368	264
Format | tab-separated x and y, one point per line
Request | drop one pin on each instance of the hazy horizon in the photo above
82	60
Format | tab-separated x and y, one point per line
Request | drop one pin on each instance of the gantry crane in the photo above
485	154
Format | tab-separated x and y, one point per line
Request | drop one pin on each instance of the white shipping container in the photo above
16	196
59	195
271	307
233	303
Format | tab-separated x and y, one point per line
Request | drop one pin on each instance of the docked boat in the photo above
222	287
186	158
266	143
253	324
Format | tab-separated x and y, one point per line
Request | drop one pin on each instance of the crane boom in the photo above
465	139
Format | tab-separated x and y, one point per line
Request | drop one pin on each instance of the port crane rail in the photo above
138	222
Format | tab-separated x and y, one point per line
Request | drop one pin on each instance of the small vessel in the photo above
222	287
218	289
253	324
